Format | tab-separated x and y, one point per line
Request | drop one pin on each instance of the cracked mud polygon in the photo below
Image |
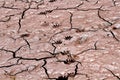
59	39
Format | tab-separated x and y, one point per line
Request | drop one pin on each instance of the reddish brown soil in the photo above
59	39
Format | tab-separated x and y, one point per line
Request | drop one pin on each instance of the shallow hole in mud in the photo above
52	0
68	37
25	35
58	42
62	78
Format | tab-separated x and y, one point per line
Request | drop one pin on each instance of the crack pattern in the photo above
67	36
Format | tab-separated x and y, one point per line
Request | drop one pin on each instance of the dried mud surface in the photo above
59	39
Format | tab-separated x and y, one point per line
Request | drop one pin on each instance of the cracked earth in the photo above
59	39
